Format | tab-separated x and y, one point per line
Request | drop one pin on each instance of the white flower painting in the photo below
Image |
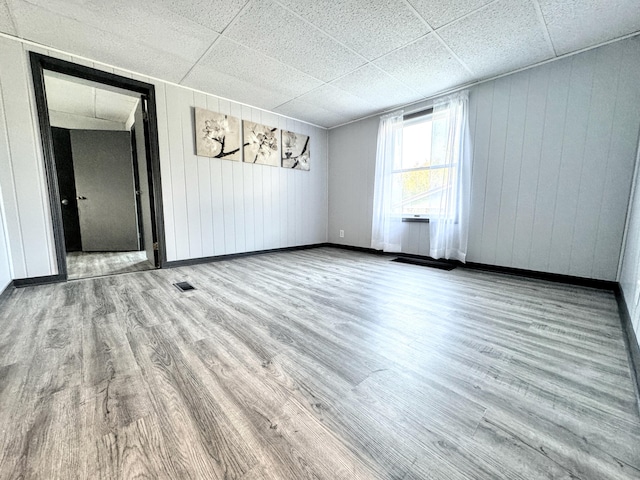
296	150
261	144
217	135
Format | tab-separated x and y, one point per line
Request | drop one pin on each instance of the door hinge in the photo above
145	110
155	246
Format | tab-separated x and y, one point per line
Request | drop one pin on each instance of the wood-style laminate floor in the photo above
98	264
315	364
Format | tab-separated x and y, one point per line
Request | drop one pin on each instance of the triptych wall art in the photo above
219	136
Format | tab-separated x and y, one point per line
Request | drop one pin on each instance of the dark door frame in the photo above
136	186
40	63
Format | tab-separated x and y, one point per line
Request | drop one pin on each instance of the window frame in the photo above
412	217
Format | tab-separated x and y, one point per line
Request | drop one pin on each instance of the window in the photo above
420	178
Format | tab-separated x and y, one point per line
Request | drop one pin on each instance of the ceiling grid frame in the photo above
213	44
306	88
438	37
536	5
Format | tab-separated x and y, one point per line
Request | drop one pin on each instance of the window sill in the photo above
415	219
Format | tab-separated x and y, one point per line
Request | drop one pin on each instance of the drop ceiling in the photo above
84	99
326	62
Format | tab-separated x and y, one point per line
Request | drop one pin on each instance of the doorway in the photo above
99	137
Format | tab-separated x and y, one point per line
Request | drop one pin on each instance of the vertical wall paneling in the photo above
228	205
629	275
249	197
284	200
217	203
482	136
258	192
27	182
249	201
554	148
494	180
267	192
40	169
166	173
204	189
511	169
6	274
615	192
530	166
10	200
553	136
571	161
596	158
352	154
191	174
178	195
237	187
211	206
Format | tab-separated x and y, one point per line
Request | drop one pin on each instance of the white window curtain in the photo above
386	230
449	231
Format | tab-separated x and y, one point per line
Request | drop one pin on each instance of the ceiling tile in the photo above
577	24
141	22
6	24
503	36
229	57
114	107
213	14
233	88
426	66
377	88
312	113
45	27
70	97
441	12
229	66
338	101
63	96
274	31
370	28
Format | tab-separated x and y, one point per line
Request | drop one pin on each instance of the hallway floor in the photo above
99	264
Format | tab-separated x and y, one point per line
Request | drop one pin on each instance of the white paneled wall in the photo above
554	148
629	277
5	255
211	206
22	179
352	162
218	207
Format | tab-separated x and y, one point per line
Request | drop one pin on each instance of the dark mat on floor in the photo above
425	262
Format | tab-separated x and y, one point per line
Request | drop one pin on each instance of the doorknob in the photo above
65	201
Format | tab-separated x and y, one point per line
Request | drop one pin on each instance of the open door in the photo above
95	198
105	190
145	191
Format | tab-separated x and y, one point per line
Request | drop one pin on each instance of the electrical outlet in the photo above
341	233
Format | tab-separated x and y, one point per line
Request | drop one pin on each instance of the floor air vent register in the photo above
425	262
184	286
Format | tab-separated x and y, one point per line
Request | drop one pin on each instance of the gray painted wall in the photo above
554	150
5	259
103	170
630	265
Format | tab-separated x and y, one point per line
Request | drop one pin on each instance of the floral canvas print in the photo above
217	135
296	151
261	144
